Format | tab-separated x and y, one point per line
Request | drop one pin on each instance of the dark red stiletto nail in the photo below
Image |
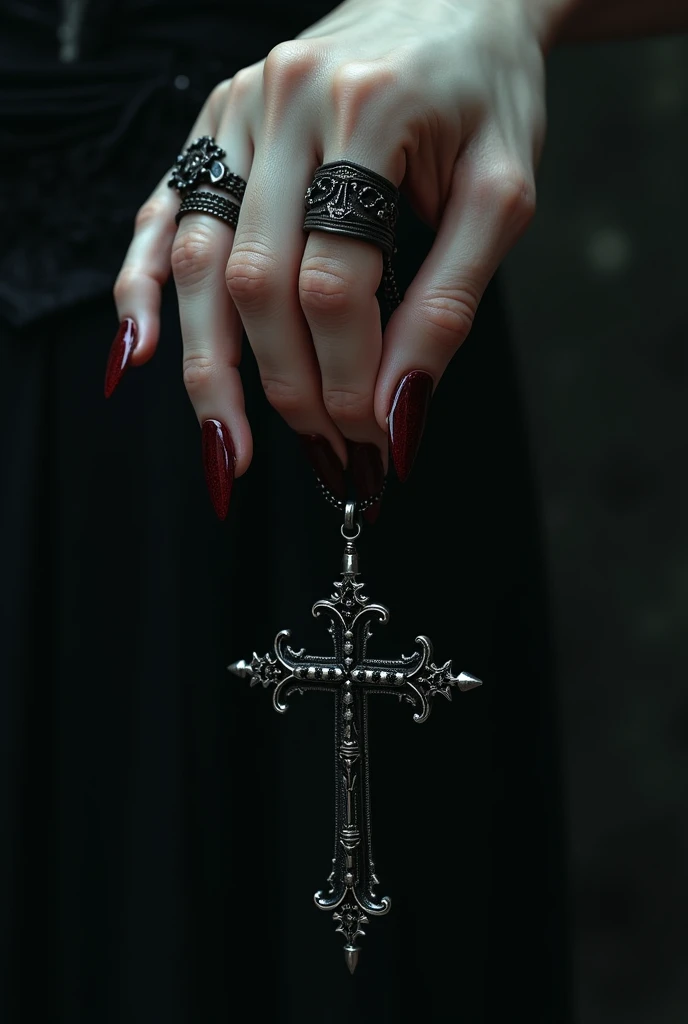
407	415
218	464
325	462
120	354
368	474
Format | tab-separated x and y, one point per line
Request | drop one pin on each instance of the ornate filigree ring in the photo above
352	200
201	164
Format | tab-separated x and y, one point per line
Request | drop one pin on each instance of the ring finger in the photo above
338	283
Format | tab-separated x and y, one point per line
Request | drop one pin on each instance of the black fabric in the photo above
163	830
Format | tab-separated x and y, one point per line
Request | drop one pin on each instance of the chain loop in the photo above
338	503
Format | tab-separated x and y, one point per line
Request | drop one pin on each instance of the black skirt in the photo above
163	830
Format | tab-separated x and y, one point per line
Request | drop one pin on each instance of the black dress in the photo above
162	829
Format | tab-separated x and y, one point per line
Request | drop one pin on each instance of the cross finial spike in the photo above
240	668
351	957
467	682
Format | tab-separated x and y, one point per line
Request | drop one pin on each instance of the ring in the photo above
201	164
209	202
352	200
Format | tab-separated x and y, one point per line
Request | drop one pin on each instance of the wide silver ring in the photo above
349	199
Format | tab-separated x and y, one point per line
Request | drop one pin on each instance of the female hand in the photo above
446	99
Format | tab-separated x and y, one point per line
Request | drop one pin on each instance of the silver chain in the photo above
338	503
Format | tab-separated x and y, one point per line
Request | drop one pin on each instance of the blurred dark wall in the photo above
599	303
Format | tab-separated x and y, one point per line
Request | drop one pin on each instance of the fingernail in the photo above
367	473
218	464
325	462
120	354
407	415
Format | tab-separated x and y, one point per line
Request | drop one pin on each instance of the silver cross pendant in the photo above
351	676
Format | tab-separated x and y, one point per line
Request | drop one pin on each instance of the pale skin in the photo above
446	99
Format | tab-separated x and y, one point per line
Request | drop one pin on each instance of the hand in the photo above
446	99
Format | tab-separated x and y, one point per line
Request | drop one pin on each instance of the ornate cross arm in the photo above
351	676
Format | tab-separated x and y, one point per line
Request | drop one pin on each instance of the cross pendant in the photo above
352	677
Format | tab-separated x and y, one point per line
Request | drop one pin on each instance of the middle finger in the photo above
262	277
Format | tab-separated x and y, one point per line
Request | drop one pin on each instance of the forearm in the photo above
566	21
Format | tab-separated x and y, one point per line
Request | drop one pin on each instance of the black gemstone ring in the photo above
211	203
201	164
352	200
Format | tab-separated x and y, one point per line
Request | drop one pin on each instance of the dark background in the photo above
597	295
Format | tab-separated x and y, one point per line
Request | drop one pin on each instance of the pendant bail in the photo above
350	520
351	528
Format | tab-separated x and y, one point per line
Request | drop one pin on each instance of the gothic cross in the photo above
352	677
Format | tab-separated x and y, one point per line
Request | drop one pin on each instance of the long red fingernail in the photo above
407	415
218	464
367	473
325	462
120	354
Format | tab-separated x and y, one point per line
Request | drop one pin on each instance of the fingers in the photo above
262	279
138	286
145	269
146	266
338	280
491	201
211	329
337	284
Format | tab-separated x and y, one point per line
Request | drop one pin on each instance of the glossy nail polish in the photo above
218	464
367	473
407	415
325	462
120	354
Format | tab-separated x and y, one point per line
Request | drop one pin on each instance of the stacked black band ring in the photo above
201	164
211	203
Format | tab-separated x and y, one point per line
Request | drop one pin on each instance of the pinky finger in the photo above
138	288
491	202
146	267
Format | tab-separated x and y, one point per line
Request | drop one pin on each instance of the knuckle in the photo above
284	395
346	406
359	86
448	315
153	210
241	85
513	190
192	257
124	285
357	83
198	371
287	65
129	280
218	97
326	287
252	275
